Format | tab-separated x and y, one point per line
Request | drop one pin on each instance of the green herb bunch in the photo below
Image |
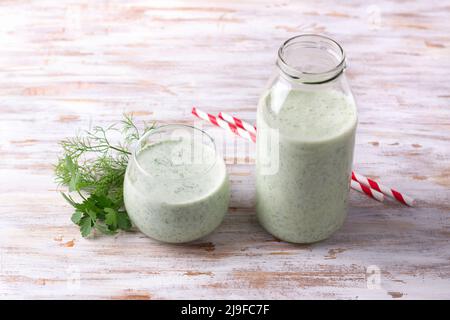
93	169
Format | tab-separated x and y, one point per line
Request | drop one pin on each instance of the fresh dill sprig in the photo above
93	169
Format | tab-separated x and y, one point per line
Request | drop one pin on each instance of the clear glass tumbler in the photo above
176	187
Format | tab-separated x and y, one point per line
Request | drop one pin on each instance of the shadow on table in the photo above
241	234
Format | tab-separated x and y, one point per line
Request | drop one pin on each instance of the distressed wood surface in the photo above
66	65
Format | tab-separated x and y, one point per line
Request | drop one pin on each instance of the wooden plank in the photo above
66	66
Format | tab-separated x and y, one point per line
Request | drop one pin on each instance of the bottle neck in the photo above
311	59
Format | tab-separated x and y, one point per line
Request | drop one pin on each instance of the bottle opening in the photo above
311	58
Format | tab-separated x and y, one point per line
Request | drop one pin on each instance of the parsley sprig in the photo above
93	169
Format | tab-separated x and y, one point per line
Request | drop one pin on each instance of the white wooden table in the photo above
67	64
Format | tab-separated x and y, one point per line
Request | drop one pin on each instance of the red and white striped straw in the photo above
367	190
230	127
394	194
237	122
248	131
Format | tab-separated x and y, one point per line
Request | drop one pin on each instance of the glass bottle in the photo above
306	122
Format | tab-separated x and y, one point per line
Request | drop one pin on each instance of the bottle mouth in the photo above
311	59
169	132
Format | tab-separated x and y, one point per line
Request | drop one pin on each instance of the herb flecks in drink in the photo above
93	169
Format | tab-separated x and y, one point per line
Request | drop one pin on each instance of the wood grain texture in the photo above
66	65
